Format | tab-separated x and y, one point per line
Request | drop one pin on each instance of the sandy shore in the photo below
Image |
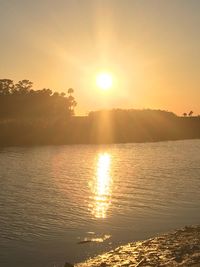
178	248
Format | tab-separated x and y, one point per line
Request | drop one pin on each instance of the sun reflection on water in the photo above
102	187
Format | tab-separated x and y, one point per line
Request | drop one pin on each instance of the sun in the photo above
104	80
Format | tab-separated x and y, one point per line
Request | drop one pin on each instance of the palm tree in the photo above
185	114
190	113
72	102
70	91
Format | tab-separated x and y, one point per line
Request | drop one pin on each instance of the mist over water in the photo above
54	197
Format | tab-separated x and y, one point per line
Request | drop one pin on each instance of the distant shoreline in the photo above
103	127
97	144
177	248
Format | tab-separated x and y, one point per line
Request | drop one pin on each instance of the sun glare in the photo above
104	81
102	186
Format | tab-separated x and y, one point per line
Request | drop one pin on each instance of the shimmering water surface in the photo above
54	198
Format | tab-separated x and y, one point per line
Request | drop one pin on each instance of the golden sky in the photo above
151	47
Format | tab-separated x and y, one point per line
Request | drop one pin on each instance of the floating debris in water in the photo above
91	233
84	241
95	239
101	239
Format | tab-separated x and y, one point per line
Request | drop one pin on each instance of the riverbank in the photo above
178	248
105	127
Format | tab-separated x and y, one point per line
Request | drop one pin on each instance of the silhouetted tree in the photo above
23	86
18	101
62	94
190	113
47	91
70	91
72	102
185	114
6	86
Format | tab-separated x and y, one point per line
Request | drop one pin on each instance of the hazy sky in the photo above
152	47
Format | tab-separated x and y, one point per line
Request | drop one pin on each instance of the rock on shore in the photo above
177	248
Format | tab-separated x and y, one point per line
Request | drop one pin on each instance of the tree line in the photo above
20	100
44	117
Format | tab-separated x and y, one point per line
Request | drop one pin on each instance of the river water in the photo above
55	197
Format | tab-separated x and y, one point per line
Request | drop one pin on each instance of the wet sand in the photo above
178	248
